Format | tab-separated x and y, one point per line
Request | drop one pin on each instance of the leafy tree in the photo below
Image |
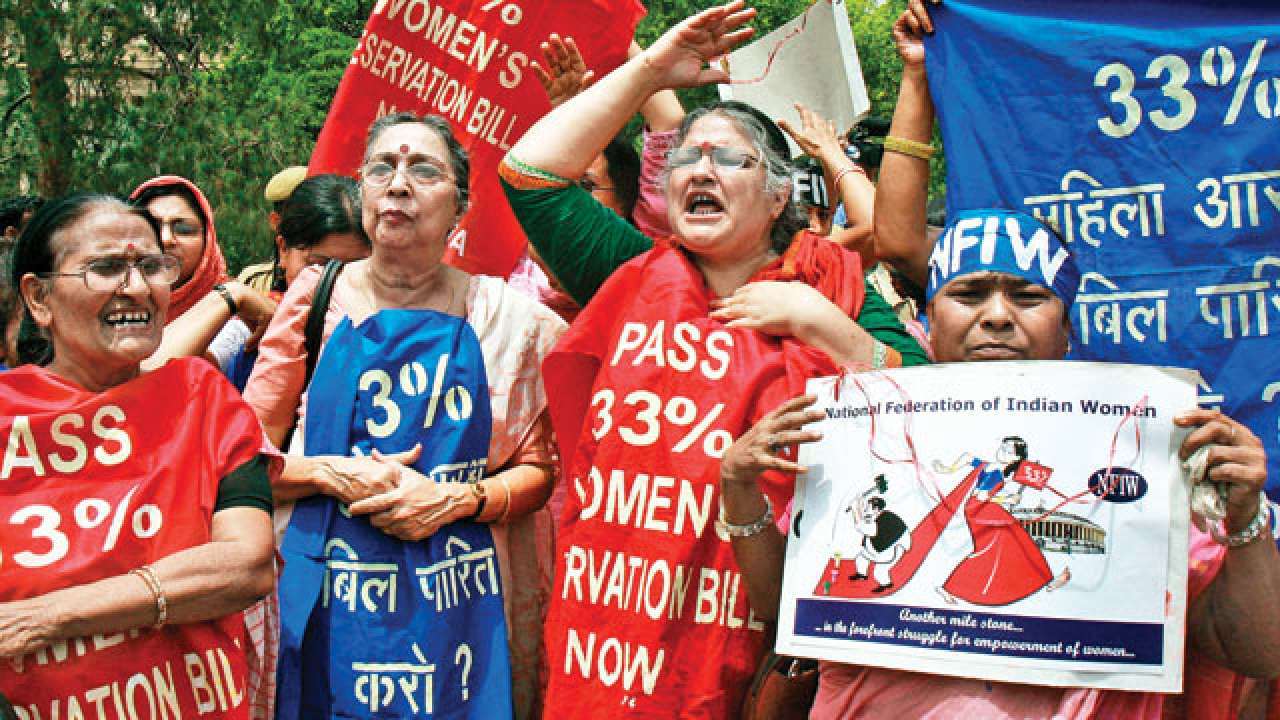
103	94
221	92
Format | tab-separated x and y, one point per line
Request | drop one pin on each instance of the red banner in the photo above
95	485
468	61
650	612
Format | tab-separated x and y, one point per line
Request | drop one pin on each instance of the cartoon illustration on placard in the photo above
991	529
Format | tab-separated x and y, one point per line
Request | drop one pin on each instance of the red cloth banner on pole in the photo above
468	61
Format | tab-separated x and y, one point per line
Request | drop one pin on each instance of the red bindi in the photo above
131	247
404	149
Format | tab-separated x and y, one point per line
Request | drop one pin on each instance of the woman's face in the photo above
601	185
181	232
1007	452
720	213
997	316
408	211
105	331
346	247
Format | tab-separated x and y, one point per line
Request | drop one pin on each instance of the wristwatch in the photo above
481	498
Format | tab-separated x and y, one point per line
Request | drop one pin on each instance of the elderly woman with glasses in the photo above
676	353
137	504
411	512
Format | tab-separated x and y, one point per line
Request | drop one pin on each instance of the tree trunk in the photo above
50	97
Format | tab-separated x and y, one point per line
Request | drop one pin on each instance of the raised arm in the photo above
662	111
567	139
563	74
817	137
189	334
900	236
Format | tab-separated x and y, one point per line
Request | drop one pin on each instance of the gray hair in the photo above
771	147
458	161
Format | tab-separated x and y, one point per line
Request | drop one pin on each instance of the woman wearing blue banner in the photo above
416	554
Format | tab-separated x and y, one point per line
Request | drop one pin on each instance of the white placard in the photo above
815	62
923	540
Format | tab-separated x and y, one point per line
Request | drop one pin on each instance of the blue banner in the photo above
372	626
1146	133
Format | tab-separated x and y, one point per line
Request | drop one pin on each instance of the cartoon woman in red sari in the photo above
1005	565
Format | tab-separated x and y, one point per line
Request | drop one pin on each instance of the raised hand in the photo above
679	58
909	31
816	136
565	74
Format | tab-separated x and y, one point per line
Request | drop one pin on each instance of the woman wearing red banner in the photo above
658	373
138	504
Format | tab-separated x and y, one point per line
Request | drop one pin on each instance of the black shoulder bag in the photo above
313	333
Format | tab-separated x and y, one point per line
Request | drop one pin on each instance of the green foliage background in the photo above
240	90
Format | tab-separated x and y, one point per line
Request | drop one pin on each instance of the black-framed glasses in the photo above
590	185
110	273
722	156
422	172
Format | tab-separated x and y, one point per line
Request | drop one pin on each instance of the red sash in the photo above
96	484
649	615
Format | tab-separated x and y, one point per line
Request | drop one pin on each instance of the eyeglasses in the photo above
722	156
110	273
423	172
591	185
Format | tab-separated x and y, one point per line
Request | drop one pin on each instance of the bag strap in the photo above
313	331
313	334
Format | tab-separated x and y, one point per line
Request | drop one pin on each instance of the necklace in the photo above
373	301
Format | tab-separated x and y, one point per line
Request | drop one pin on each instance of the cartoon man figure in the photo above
885	540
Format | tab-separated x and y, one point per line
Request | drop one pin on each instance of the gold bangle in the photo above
506	506
149	578
903	146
